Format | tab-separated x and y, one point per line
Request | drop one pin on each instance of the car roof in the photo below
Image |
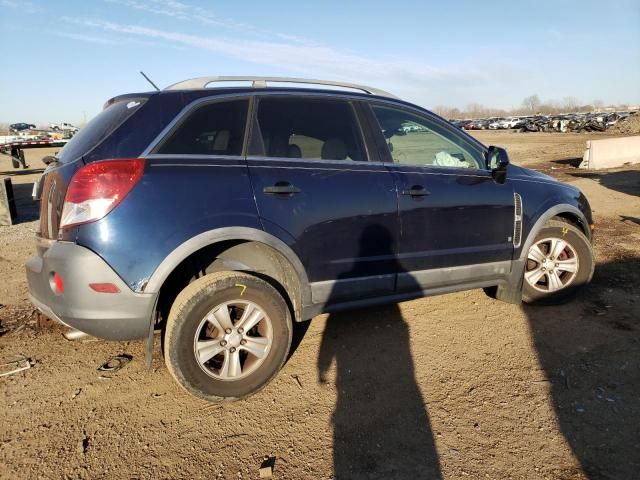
262	82
194	94
190	95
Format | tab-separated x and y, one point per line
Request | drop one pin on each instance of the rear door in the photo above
456	221
318	189
195	180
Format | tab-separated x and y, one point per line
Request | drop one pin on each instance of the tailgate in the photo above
51	189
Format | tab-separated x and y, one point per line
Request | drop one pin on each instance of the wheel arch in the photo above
563	211
238	249
511	292
576	221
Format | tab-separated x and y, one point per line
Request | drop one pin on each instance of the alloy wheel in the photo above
233	340
552	264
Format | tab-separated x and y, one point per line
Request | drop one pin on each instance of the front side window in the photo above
212	129
308	128
414	140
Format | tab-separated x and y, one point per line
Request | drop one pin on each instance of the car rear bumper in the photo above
113	316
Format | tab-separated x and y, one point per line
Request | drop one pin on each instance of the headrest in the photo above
221	142
294	151
334	149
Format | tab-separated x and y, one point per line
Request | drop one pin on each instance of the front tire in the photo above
559	262
227	335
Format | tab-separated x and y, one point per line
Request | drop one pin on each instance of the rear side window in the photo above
309	129
99	128
212	129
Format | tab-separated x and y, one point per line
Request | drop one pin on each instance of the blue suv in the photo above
223	215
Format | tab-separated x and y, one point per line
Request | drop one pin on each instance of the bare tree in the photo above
476	110
570	104
442	110
531	103
454	113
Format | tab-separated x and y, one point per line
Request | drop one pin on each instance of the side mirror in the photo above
497	161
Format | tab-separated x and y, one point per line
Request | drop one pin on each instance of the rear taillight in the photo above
97	188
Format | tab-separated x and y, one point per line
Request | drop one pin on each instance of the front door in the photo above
456	221
318	190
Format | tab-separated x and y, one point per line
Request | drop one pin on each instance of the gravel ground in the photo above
456	386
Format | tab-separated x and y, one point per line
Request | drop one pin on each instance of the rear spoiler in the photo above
128	96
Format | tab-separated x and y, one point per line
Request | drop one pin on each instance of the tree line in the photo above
531	105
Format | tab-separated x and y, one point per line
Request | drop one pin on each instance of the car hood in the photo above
528	174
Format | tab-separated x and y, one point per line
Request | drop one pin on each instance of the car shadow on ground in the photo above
381	427
589	349
626	181
628	219
571	162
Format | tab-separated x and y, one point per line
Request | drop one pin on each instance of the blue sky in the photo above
63	59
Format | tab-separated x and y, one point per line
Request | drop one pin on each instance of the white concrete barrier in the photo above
611	152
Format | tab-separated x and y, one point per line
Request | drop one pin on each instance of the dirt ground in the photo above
456	386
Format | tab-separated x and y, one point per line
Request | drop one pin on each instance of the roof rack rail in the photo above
261	82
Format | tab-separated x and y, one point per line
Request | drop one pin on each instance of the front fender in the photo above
543	218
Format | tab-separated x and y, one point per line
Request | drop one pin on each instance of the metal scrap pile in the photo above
567	122
630	126
590	122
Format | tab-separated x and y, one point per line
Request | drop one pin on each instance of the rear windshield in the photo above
99	128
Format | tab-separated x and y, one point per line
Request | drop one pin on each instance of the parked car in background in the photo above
495	123
502	124
63	127
224	215
460	123
472	125
19	127
512	122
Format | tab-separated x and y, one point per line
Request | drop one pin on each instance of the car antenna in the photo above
149	80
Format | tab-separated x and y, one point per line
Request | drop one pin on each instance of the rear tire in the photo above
559	262
206	349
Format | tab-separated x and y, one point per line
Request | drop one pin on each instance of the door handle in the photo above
416	191
282	188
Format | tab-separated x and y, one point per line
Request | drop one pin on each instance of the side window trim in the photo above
360	130
430	120
375	130
368	132
248	127
184	115
252	129
351	103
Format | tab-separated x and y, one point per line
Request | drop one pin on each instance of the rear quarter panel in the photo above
176	199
